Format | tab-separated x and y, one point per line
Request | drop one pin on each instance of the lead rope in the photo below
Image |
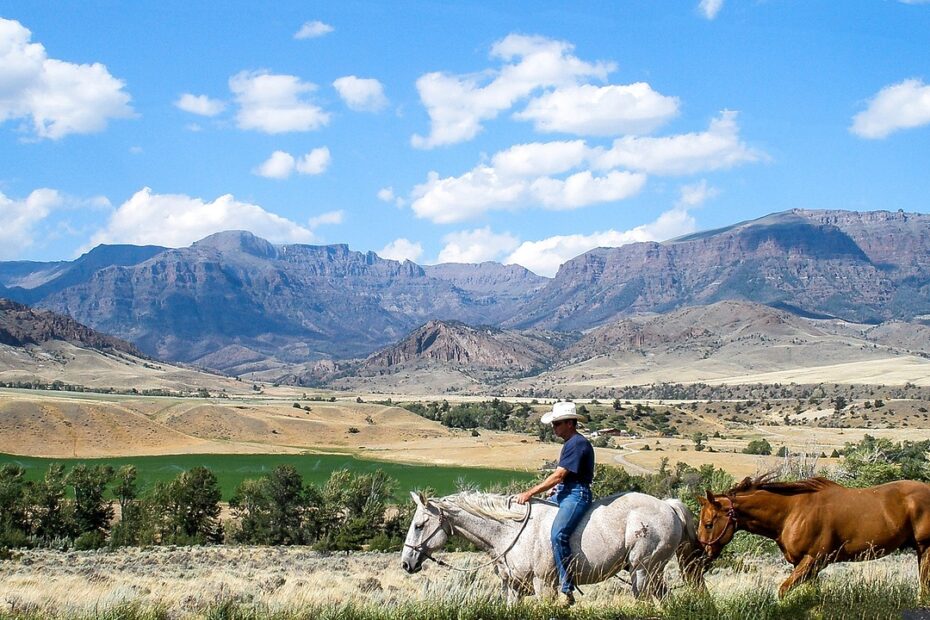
470	569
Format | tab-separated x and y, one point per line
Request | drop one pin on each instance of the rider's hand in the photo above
524	497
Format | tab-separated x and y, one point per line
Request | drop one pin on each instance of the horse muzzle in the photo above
412	567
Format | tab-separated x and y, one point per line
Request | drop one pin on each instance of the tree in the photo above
50	513
189	508
13	506
92	514
132	522
276	509
699	439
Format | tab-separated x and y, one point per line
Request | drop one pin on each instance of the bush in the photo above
758	446
88	541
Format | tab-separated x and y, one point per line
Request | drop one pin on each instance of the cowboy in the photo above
572	483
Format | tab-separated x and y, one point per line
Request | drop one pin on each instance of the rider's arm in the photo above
556	477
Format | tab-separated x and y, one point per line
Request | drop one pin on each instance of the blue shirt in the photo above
578	458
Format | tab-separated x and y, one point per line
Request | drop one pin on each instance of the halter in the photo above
731	518
421	546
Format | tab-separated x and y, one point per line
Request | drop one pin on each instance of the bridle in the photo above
731	518
421	546
443	519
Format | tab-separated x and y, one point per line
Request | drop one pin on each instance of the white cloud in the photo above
696	194
476	246
458	104
386	194
899	106
312	30
590	110
401	250
717	148
540	158
280	165
361	94
177	220
710	8
330	217
60	97
314	162
520	177
544	257
273	103
200	104
20	217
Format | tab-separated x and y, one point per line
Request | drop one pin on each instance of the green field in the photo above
231	469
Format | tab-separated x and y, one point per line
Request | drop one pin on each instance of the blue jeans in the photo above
573	501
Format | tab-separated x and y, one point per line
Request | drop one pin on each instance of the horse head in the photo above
429	530
716	523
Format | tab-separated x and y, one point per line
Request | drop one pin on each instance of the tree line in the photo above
91	507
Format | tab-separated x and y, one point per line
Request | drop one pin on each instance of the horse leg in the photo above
639	580
804	571
923	565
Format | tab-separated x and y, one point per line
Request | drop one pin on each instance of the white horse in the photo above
631	531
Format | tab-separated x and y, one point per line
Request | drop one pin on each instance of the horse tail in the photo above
691	559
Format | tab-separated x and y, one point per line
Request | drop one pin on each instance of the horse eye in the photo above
709	525
418	527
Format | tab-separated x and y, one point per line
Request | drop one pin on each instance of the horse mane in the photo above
499	508
766	482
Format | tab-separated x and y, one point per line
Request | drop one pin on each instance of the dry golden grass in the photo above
189	580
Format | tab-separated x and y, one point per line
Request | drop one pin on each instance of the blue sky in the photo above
525	132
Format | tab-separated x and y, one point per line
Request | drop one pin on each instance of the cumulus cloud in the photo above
520	177
20	218
719	147
361	94
281	164
710	8
401	249
590	110
330	217
200	104
312	30
458	104
476	246
904	105
177	220
59	97
544	257
273	103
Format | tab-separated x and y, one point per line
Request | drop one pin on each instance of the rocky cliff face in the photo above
21	326
812	263
293	303
456	344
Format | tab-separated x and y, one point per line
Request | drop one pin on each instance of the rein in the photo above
421	546
731	518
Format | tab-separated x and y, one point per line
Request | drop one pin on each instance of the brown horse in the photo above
817	521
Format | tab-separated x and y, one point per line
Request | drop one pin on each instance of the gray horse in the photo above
632	531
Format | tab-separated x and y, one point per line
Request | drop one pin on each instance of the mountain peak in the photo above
238	241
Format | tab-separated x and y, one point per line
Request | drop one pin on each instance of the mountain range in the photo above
238	304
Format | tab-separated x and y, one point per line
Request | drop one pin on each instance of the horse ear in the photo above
701	500
417	498
711	499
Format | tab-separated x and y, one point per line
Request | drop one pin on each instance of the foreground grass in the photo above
836	601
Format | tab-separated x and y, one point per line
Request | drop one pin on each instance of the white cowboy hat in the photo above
562	411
